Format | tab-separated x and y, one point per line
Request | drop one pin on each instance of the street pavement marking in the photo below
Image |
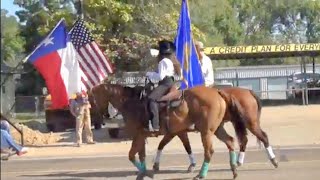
180	167
275	148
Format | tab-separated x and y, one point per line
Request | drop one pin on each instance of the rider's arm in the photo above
164	68
209	72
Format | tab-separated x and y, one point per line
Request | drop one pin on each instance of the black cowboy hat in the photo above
166	47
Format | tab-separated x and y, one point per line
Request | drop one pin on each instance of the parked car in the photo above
298	80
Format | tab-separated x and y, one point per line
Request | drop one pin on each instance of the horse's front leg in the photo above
186	143
138	145
165	140
208	152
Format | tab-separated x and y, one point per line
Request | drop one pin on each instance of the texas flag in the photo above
56	60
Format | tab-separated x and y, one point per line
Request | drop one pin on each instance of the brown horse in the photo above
202	106
251	104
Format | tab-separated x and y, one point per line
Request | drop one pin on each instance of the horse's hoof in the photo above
235	174
156	167
234	171
141	175
191	168
198	177
274	162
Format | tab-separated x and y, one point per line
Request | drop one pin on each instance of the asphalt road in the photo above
295	164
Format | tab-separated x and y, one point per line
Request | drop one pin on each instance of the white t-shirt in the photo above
165	68
207	70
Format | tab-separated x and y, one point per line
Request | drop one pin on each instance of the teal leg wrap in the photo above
204	169
141	166
233	158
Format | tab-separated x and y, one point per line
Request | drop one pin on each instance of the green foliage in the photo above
12	44
126	29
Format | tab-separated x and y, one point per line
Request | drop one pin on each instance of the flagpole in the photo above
81	14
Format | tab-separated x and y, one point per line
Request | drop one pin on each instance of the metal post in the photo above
307	96
303	98
237	77
81	14
313	67
305	80
37	106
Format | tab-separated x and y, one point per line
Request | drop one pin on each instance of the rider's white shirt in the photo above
165	68
207	70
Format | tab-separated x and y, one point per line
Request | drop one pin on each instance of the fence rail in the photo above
33	106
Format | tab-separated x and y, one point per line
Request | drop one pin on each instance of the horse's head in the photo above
98	105
114	93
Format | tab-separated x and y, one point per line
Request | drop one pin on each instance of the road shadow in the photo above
114	174
131	173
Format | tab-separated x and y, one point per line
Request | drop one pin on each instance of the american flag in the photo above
94	65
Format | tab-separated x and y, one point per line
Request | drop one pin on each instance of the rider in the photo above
206	65
167	67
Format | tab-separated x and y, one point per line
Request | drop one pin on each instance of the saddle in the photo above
173	98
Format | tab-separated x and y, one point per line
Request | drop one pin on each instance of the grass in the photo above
25	117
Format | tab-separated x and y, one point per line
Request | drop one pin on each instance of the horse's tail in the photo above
259	104
238	117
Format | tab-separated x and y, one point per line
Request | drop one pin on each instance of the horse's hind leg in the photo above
243	146
165	140
186	143
223	136
262	136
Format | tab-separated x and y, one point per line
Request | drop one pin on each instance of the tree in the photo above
38	18
12	44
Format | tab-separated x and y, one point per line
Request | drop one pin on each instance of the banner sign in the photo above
262	49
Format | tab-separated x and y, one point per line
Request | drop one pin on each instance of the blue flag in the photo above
186	51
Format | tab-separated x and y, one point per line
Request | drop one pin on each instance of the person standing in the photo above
206	65
80	108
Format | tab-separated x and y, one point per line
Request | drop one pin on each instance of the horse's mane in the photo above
130	92
134	92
